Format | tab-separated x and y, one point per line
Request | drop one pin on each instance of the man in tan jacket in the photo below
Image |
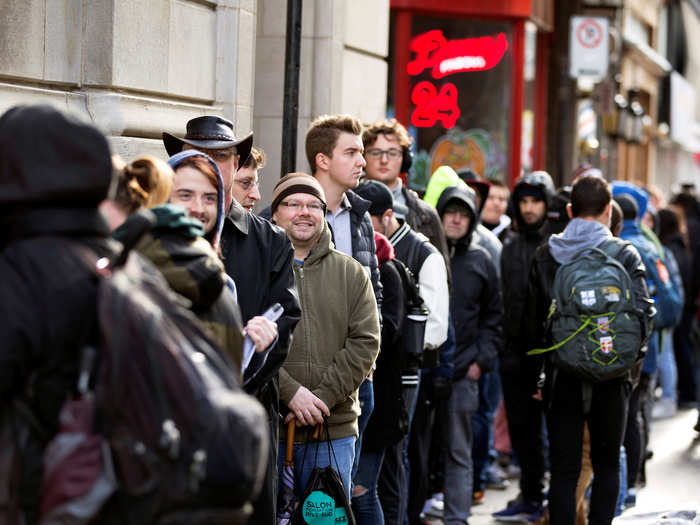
337	340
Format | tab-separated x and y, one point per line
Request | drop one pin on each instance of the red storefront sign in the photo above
447	57
432	105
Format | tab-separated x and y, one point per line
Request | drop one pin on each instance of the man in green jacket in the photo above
337	340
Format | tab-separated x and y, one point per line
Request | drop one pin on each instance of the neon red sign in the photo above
432	106
447	57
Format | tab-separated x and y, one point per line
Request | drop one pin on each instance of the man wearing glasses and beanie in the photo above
337	340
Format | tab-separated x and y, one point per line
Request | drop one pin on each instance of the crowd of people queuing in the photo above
407	323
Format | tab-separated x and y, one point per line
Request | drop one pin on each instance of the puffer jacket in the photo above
363	247
193	270
475	304
337	340
516	256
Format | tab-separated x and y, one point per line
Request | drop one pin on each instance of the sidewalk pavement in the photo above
494	500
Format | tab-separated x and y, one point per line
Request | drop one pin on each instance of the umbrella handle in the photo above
290	441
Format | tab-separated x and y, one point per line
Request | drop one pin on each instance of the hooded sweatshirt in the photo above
516	258
442	178
578	235
475	303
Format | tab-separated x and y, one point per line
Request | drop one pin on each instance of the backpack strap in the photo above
584	324
608	245
409	283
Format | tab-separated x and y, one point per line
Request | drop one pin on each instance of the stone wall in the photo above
343	70
134	68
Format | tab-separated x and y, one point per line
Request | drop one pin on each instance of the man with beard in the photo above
530	200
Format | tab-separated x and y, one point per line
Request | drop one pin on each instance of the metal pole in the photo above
292	59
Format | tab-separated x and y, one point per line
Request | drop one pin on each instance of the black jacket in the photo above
518	249
475	303
259	257
54	171
539	297
388	422
362	235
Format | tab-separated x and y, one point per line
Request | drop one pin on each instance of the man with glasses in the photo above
245	186
258	256
387	152
337	340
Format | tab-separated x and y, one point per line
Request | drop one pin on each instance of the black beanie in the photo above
526	190
378	195
628	205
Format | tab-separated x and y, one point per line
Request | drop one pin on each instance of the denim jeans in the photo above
343	450
365	396
668	373
366	506
459	473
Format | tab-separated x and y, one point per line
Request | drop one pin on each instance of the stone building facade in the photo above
136	68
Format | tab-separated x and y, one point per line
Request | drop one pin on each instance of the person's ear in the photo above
569	210
386	217
322	161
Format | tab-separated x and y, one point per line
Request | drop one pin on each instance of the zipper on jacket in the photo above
302	295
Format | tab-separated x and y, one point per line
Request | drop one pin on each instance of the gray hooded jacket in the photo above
578	235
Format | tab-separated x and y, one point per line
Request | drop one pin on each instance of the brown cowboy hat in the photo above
209	132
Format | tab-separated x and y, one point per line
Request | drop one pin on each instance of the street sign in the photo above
588	46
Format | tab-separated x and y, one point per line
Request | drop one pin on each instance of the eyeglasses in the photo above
246	184
392	153
296	207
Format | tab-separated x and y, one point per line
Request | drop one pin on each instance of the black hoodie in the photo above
516	257
475	302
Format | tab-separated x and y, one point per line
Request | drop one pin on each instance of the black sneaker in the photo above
518	511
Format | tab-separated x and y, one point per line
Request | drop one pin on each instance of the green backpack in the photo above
592	319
